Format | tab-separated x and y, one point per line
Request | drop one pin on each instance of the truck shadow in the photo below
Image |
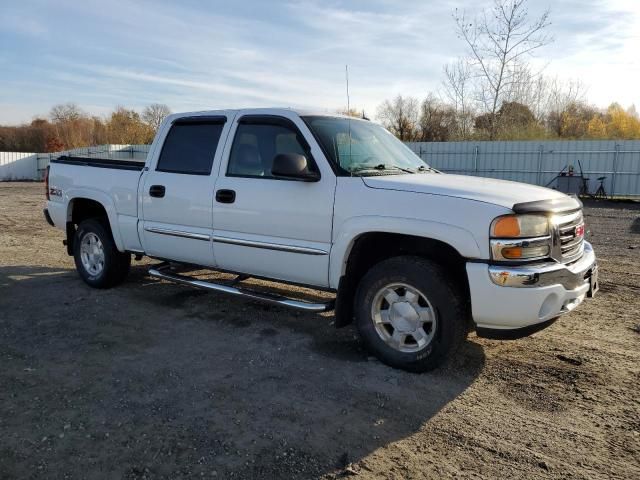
154	379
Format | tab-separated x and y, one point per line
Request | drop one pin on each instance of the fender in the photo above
104	200
460	239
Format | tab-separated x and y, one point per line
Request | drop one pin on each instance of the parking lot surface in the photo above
155	380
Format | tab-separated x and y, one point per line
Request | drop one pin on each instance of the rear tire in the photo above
409	313
97	259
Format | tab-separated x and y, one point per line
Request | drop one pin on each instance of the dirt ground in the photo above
154	380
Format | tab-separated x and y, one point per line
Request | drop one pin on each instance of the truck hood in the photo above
498	192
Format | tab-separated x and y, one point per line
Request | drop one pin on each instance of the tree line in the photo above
68	126
432	120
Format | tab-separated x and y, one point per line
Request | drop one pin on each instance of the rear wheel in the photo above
97	259
409	314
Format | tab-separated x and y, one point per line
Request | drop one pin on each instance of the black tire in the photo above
445	298
116	264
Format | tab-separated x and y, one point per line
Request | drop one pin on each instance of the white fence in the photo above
18	166
31	166
530	162
540	163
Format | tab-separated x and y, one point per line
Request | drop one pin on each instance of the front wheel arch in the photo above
369	249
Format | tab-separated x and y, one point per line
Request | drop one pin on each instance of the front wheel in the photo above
97	259
409	314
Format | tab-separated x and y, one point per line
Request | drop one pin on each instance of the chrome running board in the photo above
160	272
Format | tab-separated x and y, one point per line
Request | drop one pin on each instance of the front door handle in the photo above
157	191
225	196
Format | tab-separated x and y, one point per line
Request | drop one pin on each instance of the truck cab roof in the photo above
282	111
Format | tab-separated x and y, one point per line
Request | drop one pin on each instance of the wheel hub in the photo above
403	317
92	254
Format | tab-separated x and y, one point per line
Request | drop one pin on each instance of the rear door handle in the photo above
225	196
156	191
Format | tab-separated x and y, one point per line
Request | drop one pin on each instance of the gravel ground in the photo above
154	380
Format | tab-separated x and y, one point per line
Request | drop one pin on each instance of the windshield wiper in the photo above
382	166
379	167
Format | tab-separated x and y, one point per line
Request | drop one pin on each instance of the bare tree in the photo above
400	116
457	90
438	121
66	112
565	100
498	42
561	94
154	114
72	125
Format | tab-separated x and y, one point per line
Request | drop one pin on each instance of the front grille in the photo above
568	242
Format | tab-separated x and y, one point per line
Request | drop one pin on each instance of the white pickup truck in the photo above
415	257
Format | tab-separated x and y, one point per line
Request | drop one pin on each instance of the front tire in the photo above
97	259
409	313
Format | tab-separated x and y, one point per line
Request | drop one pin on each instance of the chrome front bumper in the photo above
545	274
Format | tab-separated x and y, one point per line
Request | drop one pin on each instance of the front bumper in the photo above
526	298
553	273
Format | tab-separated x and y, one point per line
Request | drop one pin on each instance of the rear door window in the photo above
190	147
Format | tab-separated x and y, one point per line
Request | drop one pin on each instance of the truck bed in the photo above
112	183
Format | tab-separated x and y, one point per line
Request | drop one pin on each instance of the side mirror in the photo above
293	166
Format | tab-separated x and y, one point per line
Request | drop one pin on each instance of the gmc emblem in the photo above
580	230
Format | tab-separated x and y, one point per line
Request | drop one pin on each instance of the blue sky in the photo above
195	55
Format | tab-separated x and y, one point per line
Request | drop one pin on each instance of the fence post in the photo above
539	172
475	160
615	169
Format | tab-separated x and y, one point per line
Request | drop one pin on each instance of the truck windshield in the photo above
364	148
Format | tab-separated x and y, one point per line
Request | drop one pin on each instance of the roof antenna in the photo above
346	73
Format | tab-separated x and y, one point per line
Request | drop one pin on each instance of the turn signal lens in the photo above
512	252
506	227
515	253
520	226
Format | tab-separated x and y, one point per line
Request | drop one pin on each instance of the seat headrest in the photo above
249	157
248	161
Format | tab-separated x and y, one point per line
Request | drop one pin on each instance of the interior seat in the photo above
248	161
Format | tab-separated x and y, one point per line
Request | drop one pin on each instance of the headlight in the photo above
520	237
520	226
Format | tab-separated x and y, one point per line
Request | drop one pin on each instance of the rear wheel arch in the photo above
371	248
80	209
